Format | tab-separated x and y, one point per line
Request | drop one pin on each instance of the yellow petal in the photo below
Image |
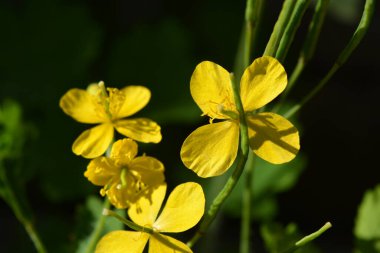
165	244
149	169
184	208
120	196
273	137
123	151
261	82
211	89
82	106
94	141
128	101
211	149
141	129
144	211
122	241
101	170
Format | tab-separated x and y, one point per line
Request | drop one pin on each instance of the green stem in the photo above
308	238
130	224
279	28
96	233
291	28
245	237
358	35
308	48
231	182
25	220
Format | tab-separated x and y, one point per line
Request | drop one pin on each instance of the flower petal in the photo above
144	211
128	101
123	151
165	244
184	208
122	241
82	106
141	129
101	170
261	82
149	169
273	137
211	149
94	141
211	89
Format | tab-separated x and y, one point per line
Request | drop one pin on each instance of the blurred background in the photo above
50	46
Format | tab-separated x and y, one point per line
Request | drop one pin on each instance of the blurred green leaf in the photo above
347	11
268	180
89	218
278	238
367	225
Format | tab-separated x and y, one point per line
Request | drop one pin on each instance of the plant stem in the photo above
308	238
308	48
358	35
130	224
97	230
279	27
10	197
291	28
242	157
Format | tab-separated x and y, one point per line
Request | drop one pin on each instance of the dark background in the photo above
48	47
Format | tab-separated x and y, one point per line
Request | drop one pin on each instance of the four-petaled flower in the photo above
211	149
125	178
95	105
183	209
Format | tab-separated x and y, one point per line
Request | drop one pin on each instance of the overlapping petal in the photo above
122	242
211	89
82	106
159	243
149	169
94	141
144	212
183	210
140	129
273	137
261	82
211	149
123	151
101	170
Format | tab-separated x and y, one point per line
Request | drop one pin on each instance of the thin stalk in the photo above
242	157
291	28
245	237
308	238
279	27
130	224
23	218
356	38
96	233
308	48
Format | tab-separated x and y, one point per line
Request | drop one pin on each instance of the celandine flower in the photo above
125	178
183	209
95	105
211	149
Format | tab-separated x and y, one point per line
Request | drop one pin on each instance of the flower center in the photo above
102	98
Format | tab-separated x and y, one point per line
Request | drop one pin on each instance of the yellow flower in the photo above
211	149
125	178
95	105
183	209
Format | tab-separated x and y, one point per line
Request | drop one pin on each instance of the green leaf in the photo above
367	225
92	225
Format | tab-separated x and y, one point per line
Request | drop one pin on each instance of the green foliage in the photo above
278	238
367	226
268	180
91	224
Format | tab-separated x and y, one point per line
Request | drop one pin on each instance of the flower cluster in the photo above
137	183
